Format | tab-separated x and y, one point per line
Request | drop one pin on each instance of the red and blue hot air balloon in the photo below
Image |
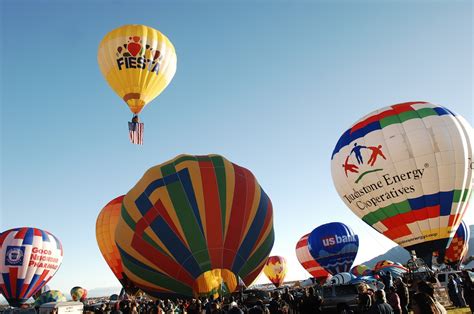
334	246
29	258
458	247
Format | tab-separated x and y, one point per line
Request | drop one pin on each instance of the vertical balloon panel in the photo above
190	216
405	171
29	259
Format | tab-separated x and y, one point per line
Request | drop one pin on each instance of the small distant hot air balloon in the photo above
192	226
138	62
275	269
342	278
308	262
334	246
105	227
50	296
458	247
78	294
406	170
29	258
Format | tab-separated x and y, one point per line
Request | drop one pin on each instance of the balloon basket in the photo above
135	132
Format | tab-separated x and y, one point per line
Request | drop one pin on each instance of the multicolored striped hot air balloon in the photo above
105	227
334	246
190	218
458	247
308	262
29	258
406	170
275	269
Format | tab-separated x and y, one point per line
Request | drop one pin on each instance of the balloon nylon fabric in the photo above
29	259
138	62
191	215
459	246
275	269
406	170
308	262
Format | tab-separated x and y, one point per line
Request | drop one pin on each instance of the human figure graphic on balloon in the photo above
375	153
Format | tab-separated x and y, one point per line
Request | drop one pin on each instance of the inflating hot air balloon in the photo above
138	62
105	234
396	269
341	278
190	218
50	296
458	247
334	246
308	262
78	294
275	269
361	270
406	170
29	258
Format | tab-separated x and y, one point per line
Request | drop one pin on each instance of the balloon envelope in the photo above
275	269
78	294
361	270
396	269
308	262
406	170
189	216
341	278
138	62
459	246
29	258
105	227
334	246
50	296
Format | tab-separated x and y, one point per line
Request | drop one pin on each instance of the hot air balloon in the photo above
406	170
50	296
29	258
458	247
342	278
334	246
308	262
275	269
190	218
396	269
105	234
78	294
138	62
361	270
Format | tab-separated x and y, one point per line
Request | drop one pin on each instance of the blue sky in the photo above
271	85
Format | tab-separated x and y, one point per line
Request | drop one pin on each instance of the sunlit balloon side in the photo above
406	170
308	262
334	246
138	62
29	259
78	294
275	269
190	219
105	227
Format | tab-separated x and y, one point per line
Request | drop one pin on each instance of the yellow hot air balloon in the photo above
138	62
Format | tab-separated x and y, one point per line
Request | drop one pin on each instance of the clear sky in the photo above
271	85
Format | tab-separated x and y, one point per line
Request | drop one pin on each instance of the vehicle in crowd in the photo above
443	276
61	307
345	295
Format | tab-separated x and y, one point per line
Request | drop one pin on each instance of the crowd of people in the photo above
396	297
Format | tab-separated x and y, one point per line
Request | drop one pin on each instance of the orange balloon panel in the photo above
105	234
275	269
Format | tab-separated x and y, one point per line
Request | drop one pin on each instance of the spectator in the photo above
468	288
453	291
428	288
394	300
402	291
380	306
365	301
422	303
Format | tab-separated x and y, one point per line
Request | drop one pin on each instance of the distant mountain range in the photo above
399	254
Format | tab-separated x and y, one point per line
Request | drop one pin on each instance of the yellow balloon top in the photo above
138	62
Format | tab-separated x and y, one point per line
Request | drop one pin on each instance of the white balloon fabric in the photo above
406	170
29	259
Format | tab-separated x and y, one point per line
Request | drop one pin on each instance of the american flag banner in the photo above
135	132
